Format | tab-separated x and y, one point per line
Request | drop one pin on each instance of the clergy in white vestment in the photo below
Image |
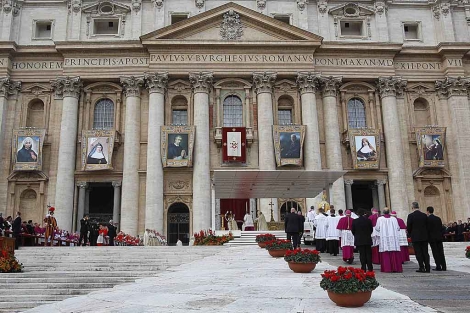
233	223
389	243
261	222
332	233
311	214
320	230
146	237
248	222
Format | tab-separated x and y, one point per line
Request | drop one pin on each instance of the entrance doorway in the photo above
178	224
101	202
237	206
285	208
362	195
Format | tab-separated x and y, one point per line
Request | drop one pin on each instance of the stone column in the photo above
456	91
381	191
7	87
130	174
117	203
69	88
159	21
375	195
81	202
308	84
157	84
329	86
264	83
389	87
349	200
201	84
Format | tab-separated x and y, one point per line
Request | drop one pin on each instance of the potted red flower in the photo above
411	249
278	248
349	286
263	239
9	264
302	260
467	252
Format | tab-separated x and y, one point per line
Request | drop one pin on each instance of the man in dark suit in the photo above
417	227
111	232
292	227
435	239
362	231
16	229
301	231
84	228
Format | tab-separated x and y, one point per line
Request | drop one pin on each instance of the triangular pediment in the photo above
351	10
208	26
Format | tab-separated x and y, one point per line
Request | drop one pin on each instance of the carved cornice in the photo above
322	7
74	6
380	7
67	87
452	86
132	85
9	87
441	7
264	81
392	86
308	82
156	82
330	85
302	4
201	81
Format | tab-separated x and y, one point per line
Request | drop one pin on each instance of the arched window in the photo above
233	112
179	111
35	117
356	113
285	105
422	114
103	117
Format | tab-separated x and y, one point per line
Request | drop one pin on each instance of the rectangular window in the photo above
178	17
179	117
106	26
351	28
284	117
43	30
283	18
411	31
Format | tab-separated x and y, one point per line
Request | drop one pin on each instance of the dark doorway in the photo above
239	207
362	195
178	224
101	202
285	208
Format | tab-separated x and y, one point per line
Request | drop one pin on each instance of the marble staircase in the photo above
249	237
57	273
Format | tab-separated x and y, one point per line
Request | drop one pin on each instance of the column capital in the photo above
264	81
67	87
156	82
380	182
201	81
348	182
117	184
9	87
132	85
329	85
452	86
82	184
391	86
308	82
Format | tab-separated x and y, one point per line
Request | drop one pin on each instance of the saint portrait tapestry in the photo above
27	149
177	146
234	144
97	150
365	148
288	144
431	144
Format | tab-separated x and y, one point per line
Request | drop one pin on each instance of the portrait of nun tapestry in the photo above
431	146
365	148
27	149
97	150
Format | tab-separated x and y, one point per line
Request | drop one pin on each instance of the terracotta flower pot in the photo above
262	244
302	267
277	253
350	300
411	250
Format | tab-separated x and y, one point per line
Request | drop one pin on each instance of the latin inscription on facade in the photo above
106	62
231	58
36	65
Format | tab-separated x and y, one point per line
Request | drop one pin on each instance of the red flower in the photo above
370	274
334	278
348	276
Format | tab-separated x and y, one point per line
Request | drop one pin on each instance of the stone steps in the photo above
248	238
57	273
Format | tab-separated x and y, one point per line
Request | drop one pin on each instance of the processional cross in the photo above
271	204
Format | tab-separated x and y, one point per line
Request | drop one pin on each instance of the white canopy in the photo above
243	184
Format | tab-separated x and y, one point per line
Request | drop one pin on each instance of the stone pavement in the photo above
247	279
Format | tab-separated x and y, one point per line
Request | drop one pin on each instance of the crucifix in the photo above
271	205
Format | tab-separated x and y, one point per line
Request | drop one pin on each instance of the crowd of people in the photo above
96	234
379	238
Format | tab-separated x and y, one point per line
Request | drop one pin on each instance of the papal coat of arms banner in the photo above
431	143
97	150
288	144
177	146
27	149
365	148
234	144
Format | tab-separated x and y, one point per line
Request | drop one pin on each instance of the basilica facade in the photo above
123	109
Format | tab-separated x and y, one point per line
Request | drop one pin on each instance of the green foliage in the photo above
348	280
